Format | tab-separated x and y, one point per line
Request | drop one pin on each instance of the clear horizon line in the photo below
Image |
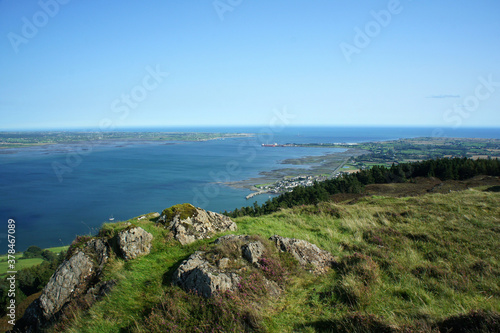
117	129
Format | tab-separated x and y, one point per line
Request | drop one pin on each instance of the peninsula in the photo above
39	138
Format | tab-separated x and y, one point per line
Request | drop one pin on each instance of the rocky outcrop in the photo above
309	255
99	251
220	269
190	224
134	242
197	274
71	280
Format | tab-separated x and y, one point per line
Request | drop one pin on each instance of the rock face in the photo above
134	242
189	223
65	282
197	274
70	281
99	251
308	255
219	270
232	256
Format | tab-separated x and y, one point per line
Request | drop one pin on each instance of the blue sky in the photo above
94	64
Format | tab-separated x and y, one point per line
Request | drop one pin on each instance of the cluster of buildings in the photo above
288	184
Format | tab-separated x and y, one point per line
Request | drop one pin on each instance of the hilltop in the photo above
423	263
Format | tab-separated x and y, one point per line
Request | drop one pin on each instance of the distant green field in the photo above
25	263
57	249
20	264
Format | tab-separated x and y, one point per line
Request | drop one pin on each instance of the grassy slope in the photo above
408	261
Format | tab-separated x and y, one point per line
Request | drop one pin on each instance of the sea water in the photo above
56	192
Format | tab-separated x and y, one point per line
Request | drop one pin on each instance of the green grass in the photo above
401	263
183	210
264	185
20	264
57	249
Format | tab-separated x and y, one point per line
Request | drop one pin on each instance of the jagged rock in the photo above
98	250
253	251
197	274
68	280
134	242
189	223
71	279
306	253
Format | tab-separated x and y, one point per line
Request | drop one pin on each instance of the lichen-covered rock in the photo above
308	255
197	274
189	223
134	242
98	250
253	251
68	281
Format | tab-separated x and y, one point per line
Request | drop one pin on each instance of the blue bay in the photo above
129	179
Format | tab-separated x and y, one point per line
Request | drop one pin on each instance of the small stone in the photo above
223	263
253	251
306	253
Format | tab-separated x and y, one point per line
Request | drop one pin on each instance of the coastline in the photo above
323	166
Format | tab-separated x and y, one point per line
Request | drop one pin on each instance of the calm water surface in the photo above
129	179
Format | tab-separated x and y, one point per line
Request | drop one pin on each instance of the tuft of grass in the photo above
184	211
78	244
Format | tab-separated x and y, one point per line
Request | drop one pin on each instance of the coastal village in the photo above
288	184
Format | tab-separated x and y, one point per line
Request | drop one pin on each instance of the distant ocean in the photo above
57	192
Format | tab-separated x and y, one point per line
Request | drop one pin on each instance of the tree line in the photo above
443	168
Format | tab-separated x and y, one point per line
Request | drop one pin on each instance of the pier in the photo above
253	194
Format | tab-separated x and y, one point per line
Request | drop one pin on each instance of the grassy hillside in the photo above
417	263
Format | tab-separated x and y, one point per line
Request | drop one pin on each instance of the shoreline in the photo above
315	166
